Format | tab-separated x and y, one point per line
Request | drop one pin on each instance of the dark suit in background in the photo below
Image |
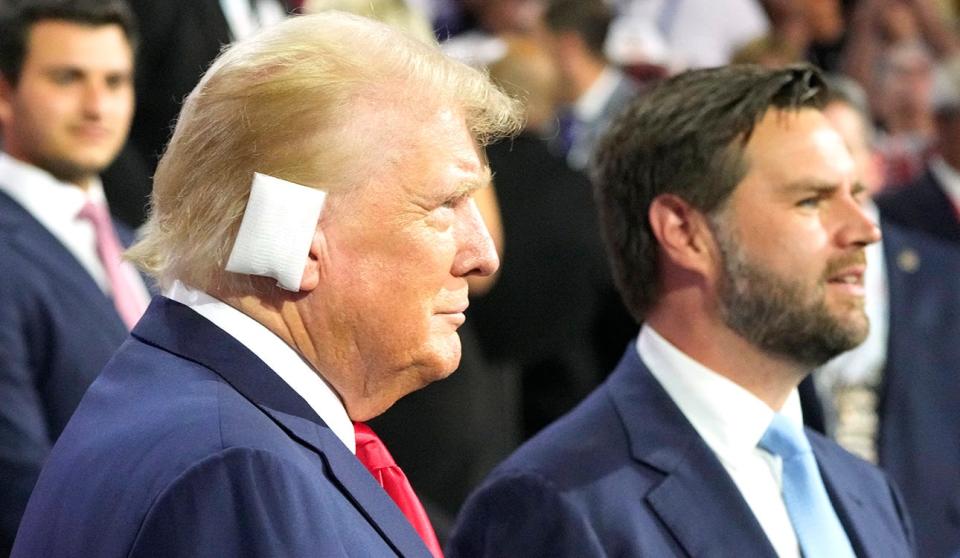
255	472
58	330
552	284
625	474
924	206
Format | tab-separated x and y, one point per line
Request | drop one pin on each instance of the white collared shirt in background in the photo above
696	33
55	205
731	421
948	177
590	105
275	353
244	18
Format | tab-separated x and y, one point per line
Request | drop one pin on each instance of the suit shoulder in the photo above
576	447
522	513
237	502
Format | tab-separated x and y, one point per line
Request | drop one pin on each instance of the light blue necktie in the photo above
816	523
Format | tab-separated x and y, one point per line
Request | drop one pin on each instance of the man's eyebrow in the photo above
819	186
822	187
470	185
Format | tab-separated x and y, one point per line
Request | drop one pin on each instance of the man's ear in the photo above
6	101
682	232
315	258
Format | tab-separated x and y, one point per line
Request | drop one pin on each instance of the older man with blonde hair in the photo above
313	229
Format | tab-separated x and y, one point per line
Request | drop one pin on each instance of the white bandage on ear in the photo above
277	229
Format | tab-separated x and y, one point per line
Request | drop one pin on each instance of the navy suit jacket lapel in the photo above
29	236
178	329
869	533
697	500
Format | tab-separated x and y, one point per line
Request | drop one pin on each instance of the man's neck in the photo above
706	339
83	182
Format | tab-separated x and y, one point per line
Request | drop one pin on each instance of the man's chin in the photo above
76	172
857	325
447	352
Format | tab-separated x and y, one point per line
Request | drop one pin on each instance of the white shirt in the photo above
699	33
731	421
245	18
948	177
276	354
590	104
55	205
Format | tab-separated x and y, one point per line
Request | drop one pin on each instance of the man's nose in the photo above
477	254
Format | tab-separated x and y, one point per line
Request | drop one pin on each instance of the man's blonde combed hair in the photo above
280	103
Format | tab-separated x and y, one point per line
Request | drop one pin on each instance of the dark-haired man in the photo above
731	209
592	90
66	298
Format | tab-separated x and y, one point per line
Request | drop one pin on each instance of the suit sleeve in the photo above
24	437
522	514
242	503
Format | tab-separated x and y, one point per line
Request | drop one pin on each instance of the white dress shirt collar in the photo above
590	105
731	421
277	355
245	18
948	177
46	198
55	205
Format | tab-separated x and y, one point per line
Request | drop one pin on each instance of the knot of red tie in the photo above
375	457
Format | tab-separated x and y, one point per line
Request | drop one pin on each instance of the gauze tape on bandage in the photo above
276	231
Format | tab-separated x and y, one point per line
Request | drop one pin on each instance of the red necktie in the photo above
129	305
375	457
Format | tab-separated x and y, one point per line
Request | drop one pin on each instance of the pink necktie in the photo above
375	457
128	304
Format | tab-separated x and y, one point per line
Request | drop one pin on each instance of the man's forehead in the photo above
798	146
55	41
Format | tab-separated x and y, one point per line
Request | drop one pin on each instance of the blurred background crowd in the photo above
548	327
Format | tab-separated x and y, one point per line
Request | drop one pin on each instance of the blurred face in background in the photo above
907	87
850	124
824	20
70	111
508	16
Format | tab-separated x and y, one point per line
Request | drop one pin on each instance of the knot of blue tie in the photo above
814	520
784	439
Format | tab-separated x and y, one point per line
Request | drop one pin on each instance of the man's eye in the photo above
454	202
812	202
117	81
63	78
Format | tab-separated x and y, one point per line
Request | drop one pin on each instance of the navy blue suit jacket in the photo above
919	411
187	444
58	330
922	205
625	474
